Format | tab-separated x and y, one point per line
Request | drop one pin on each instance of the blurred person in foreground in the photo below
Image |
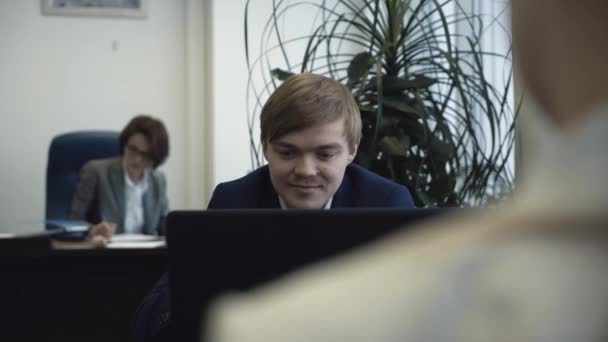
126	194
532	270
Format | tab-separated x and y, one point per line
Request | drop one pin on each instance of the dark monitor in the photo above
218	250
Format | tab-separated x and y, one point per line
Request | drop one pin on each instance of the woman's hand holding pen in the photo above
104	229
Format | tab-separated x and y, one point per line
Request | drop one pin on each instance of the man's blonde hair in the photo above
307	100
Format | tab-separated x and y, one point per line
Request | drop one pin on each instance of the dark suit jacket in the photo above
100	195
360	188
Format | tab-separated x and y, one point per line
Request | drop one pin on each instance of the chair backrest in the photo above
67	154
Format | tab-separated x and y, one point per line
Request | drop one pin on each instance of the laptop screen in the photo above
214	251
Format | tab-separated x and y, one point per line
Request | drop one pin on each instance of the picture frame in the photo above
96	8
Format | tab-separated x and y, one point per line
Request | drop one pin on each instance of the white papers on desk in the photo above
136	241
135	238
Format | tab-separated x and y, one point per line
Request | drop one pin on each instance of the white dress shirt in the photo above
134	207
325	207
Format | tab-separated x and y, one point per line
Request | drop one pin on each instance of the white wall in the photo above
230	74
231	139
70	73
184	63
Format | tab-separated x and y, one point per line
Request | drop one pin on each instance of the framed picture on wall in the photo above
96	8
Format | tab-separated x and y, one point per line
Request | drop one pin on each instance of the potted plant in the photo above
431	119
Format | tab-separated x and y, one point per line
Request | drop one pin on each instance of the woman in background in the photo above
126	194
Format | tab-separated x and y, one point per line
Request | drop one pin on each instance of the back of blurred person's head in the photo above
561	48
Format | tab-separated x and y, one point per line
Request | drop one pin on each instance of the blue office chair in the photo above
67	154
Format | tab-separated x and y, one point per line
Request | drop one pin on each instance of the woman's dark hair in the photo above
155	132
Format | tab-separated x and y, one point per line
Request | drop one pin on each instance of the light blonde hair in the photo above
307	100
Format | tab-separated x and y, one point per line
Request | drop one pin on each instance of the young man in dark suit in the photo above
310	131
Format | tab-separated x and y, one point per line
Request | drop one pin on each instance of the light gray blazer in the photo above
100	196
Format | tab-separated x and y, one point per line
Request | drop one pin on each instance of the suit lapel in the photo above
269	197
344	197
117	180
271	200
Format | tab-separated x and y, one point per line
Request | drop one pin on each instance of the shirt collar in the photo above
325	207
143	183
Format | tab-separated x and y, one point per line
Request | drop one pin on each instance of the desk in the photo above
50	294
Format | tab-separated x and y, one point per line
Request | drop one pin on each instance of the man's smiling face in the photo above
307	166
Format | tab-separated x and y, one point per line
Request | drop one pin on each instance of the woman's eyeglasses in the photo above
145	155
